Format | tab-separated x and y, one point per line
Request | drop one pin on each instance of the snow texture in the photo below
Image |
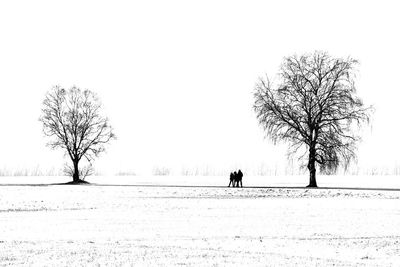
192	221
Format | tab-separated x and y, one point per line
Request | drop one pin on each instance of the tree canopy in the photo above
313	106
72	119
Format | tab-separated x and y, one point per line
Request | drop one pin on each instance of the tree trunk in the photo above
75	176
311	167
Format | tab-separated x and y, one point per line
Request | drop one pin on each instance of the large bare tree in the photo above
314	106
72	118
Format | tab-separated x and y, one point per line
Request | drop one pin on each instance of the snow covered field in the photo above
198	221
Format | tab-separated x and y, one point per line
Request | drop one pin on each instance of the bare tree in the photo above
73	120
315	108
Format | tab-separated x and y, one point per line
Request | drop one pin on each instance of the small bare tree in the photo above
73	120
314	107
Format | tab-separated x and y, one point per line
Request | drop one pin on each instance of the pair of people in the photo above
235	178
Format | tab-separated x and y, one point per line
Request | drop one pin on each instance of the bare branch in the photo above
72	119
314	105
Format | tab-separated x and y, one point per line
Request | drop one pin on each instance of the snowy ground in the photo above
185	223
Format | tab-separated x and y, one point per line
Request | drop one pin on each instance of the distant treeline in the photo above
261	170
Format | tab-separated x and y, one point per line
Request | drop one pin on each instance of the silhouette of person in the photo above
238	179
231	180
234	178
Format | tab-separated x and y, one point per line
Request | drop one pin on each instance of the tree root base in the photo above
78	182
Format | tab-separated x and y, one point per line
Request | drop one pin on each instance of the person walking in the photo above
231	180
239	178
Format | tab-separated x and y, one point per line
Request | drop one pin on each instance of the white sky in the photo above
177	77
